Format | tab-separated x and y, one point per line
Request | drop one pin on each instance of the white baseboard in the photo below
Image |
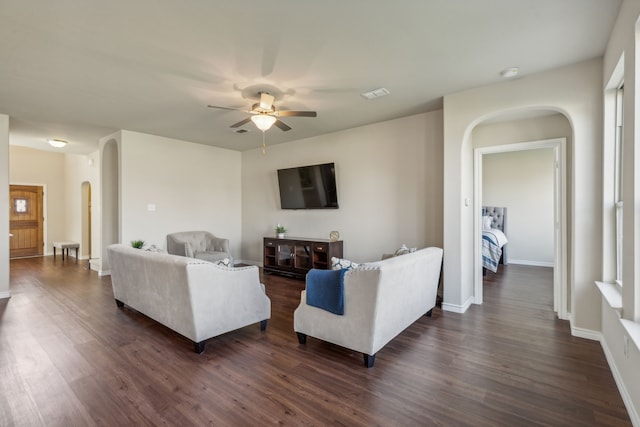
628	402
586	333
531	263
5	294
457	308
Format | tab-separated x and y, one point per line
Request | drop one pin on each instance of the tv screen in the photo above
308	187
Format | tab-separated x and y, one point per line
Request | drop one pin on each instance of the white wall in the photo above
192	186
623	44
522	181
389	179
573	91
4	213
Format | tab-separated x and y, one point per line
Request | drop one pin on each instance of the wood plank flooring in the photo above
69	357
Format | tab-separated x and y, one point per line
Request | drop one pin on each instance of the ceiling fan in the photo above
264	114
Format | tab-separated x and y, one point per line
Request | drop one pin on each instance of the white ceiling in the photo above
82	69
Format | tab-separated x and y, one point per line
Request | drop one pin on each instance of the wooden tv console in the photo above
296	256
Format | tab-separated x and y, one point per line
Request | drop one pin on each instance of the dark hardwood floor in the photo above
69	357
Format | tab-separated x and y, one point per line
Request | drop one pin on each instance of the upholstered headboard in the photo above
498	217
499	221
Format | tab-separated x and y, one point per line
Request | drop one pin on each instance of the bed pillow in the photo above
486	222
341	263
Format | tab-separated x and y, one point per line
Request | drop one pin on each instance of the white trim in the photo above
560	285
628	402
455	308
531	263
104	273
5	294
586	333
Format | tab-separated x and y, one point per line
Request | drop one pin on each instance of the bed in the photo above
494	238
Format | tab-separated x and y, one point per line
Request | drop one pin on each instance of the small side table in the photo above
67	246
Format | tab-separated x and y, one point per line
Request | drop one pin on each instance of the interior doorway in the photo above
26	221
560	284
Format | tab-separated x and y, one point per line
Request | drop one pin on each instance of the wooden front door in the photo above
25	221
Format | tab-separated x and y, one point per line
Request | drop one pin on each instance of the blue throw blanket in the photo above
325	290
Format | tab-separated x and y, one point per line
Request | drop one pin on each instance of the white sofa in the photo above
381	299
196	298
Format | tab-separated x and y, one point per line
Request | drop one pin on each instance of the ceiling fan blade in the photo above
225	108
266	100
286	113
283	126
241	123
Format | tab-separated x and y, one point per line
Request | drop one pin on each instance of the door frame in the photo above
45	249
560	285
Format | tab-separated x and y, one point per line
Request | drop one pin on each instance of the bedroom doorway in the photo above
560	286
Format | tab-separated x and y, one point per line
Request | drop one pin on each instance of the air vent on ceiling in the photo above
376	93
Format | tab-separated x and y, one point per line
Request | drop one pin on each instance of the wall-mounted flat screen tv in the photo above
308	187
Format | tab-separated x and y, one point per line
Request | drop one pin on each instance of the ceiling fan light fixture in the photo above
263	121
57	143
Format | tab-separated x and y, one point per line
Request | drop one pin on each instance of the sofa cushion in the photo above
341	263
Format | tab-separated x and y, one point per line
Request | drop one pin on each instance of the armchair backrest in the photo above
187	243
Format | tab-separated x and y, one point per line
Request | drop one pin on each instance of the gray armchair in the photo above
199	244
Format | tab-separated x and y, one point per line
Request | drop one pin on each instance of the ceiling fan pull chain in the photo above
264	147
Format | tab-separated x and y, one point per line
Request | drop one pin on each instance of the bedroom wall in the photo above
190	186
389	179
522	181
46	168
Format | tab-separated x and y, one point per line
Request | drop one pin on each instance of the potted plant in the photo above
138	244
280	230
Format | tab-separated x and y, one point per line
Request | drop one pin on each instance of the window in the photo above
618	181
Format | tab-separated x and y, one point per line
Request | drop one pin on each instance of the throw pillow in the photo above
340	263
224	261
402	250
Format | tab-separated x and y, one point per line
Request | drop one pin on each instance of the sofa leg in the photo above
263	325
119	303
198	347
302	338
429	313
368	360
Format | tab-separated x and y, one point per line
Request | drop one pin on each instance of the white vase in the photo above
280	235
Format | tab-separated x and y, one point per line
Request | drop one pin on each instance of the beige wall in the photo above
192	186
44	168
389	179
